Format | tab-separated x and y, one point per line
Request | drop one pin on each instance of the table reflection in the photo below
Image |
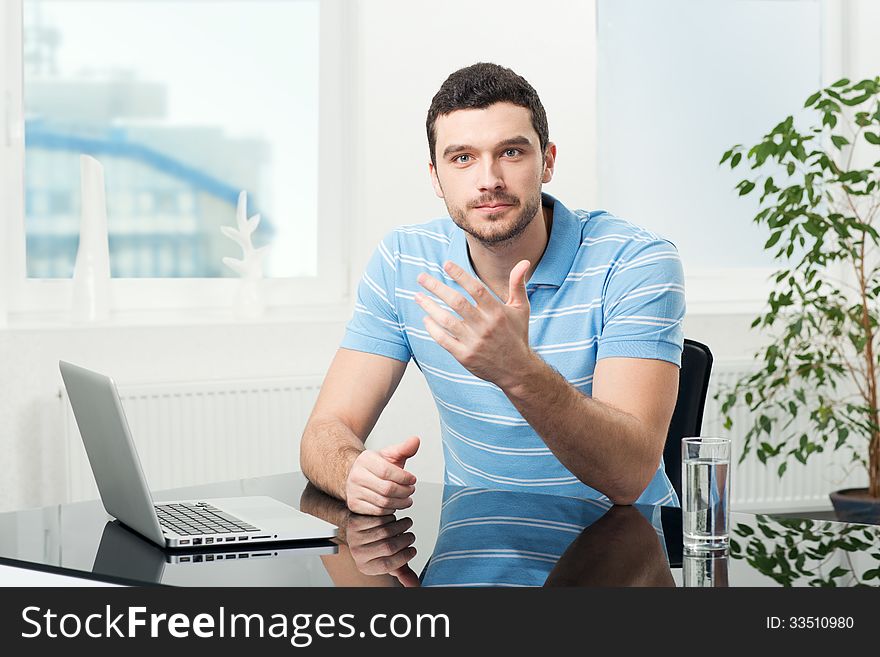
464	536
502	538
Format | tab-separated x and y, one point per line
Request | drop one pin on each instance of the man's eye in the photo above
512	152
462	159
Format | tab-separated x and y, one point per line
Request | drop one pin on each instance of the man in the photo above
551	339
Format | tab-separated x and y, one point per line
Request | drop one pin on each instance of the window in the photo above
680	82
185	103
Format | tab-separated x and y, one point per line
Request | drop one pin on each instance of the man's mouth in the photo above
494	207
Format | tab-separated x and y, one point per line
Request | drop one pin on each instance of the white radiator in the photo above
755	486
192	433
199	432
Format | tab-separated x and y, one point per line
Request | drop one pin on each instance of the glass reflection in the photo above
705	569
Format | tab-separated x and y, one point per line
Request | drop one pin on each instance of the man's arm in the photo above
611	441
356	389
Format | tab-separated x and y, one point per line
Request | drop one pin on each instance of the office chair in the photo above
687	418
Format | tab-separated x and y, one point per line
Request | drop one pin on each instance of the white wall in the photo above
407	49
402	53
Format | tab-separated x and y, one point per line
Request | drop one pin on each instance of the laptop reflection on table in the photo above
124	555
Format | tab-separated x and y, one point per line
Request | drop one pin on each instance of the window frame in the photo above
25	297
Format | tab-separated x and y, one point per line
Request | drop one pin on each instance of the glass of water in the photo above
705	477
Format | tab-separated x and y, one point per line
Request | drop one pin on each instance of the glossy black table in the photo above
452	536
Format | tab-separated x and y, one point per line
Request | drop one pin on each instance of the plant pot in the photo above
854	505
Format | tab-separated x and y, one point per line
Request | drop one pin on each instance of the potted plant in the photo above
819	195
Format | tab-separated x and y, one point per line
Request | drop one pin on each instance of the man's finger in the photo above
384	556
453	299
446	320
386	488
479	292
357	524
382	531
442	338
362	507
384	469
388	546
400	452
407	575
385	565
517	294
392	504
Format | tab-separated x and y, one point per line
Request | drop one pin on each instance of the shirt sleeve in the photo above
375	326
644	305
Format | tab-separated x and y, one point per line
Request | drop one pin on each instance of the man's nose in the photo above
490	176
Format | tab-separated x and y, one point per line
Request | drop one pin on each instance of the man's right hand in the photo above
377	484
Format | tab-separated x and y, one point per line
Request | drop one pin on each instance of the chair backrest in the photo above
687	418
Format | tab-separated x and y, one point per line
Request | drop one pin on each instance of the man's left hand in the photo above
490	339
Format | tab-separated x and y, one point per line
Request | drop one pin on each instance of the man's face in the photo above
490	169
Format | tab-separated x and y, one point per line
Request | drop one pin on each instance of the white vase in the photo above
91	274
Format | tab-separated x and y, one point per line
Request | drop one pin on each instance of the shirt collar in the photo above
562	247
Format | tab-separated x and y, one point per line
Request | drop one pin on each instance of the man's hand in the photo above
381	546
491	339
377	484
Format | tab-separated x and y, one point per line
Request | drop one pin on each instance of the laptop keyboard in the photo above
200	518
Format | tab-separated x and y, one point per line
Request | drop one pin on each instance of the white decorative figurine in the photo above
249	299
91	273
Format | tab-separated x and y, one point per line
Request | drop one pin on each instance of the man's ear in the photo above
435	181
549	162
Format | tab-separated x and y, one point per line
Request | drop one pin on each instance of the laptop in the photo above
182	524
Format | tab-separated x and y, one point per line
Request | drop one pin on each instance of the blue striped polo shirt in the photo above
603	288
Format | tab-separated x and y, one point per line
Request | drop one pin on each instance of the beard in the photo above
493	230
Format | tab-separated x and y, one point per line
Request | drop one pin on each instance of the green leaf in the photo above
858	100
842	82
745	187
735	160
773	239
842	434
782	469
873	138
812	99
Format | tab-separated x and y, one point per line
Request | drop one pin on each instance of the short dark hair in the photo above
481	85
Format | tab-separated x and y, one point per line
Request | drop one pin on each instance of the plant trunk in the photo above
874	445
874	465
871	371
